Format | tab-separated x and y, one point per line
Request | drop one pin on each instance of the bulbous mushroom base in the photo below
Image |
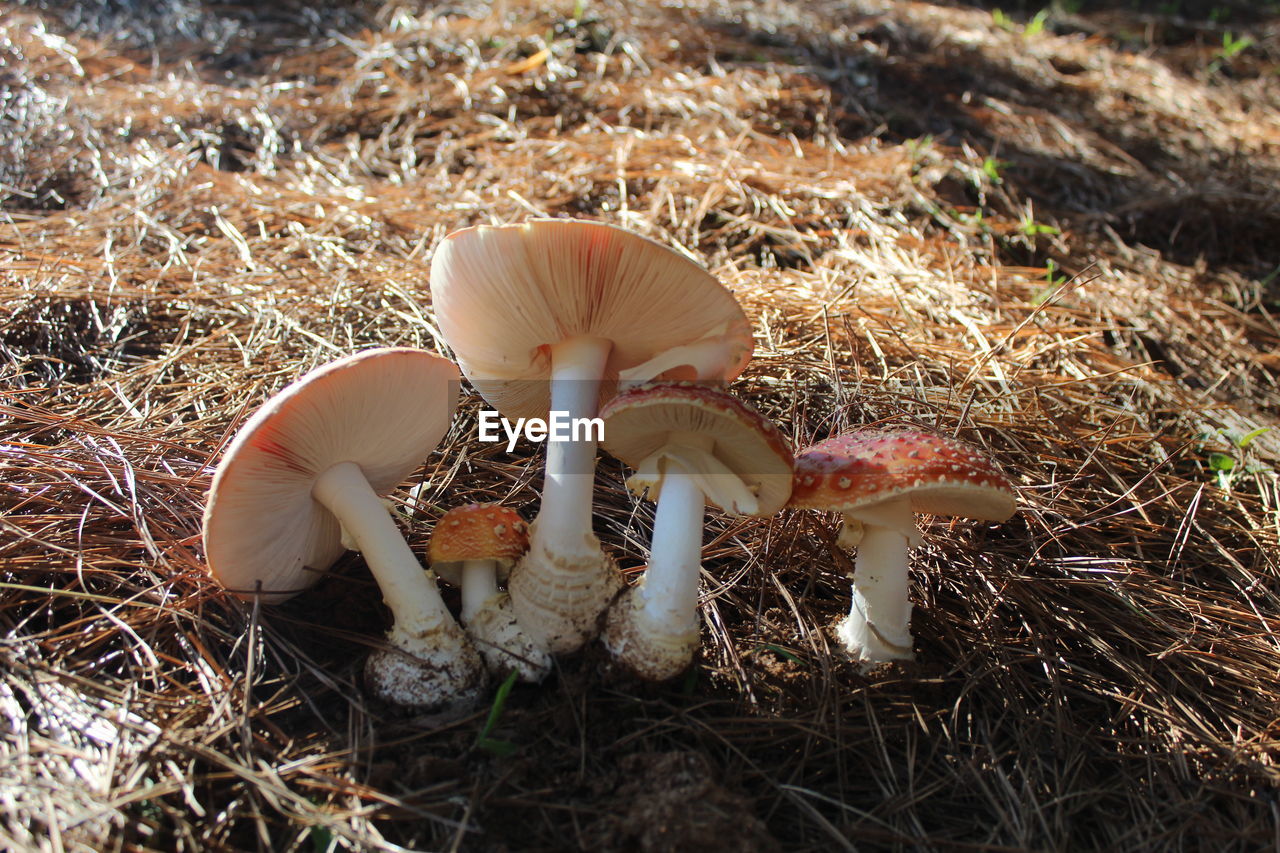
504	645
866	642
558	597
429	670
652	651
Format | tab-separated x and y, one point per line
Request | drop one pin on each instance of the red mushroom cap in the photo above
941	476
640	421
477	531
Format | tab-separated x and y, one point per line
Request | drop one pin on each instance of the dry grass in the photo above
201	201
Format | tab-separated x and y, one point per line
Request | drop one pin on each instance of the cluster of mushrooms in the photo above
593	321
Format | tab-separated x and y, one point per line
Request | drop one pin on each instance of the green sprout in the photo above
1028	227
322	840
1035	26
1231	48
975	218
780	652
991	168
491	745
919	146
1054	280
1228	467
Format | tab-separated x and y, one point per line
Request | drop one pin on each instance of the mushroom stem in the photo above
479	584
878	626
577	366
668	593
414	600
653	627
565	580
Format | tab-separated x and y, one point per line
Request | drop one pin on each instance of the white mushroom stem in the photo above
577	366
653	628
414	600
565	580
666	598
878	626
492	625
479	584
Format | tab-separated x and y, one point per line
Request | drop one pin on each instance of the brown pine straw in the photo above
202	201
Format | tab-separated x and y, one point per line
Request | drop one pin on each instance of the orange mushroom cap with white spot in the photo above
477	531
940	476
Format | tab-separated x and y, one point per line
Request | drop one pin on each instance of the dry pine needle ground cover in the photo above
1055	237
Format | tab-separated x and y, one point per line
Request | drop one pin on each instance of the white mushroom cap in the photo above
504	295
383	409
745	445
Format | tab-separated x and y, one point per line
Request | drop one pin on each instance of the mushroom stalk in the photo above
878	626
653	627
667	596
414	600
577	366
479	584
565	581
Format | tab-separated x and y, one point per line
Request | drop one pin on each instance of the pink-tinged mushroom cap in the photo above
505	295
383	409
642	422
939	476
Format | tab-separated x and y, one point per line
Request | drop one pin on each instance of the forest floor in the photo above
1053	233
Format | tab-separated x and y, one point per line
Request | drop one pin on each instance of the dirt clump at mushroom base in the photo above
1048	236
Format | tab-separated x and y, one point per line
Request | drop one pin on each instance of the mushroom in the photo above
308	467
473	548
546	317
689	445
877	479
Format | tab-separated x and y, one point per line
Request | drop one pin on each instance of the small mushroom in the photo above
877	479
547	317
473	548
689	445
311	465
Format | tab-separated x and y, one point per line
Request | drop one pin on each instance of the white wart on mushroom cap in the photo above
546	317
877	479
690	445
312	462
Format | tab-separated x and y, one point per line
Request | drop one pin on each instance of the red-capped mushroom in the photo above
877	479
474	547
690	445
